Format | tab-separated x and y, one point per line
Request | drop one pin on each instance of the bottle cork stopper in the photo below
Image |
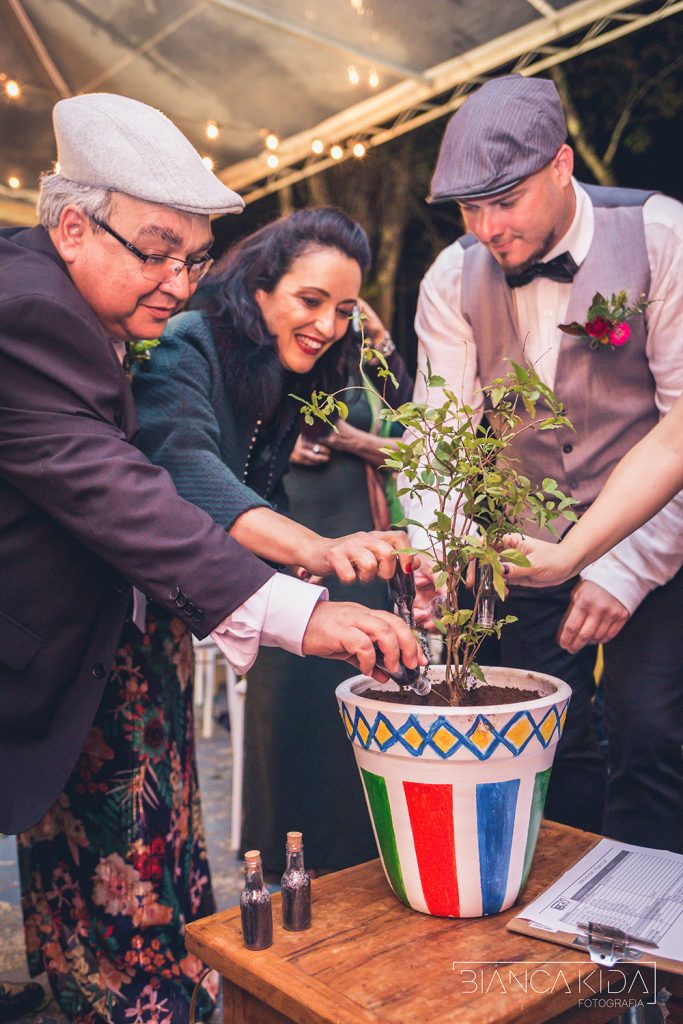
294	841
252	858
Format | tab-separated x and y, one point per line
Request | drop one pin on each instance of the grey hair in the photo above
58	192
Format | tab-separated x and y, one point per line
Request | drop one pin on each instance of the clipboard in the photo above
635	890
604	945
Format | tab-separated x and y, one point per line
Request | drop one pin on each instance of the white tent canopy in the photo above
300	76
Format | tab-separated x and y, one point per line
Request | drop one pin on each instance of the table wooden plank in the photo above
368	959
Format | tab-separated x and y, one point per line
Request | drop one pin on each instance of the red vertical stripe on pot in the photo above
430	809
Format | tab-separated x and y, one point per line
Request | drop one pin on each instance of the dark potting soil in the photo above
482	695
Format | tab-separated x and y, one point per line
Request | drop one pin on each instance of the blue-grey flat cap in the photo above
505	131
119	144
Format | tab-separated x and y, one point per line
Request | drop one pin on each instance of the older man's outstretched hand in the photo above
347	631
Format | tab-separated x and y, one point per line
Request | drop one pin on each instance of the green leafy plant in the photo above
463	471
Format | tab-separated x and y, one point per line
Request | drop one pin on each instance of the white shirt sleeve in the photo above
445	342
276	615
653	554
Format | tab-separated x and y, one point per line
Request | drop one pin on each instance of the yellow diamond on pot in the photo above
362	731
382	734
519	733
412	737
482	737
444	739
548	726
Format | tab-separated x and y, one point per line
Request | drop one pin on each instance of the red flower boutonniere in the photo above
607	321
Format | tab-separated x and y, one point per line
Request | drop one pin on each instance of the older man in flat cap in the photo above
539	246
123	242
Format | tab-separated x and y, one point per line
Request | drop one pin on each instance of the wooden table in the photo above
368	959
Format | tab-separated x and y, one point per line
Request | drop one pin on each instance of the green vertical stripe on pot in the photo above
537	804
378	798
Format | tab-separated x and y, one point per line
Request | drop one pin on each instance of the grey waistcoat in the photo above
609	395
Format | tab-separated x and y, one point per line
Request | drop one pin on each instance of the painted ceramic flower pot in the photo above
456	794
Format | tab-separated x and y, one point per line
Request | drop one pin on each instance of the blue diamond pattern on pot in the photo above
412	736
383	732
518	732
443	739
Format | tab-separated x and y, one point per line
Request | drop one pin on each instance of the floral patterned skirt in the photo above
118	865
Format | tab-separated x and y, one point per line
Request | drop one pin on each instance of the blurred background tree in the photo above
624	105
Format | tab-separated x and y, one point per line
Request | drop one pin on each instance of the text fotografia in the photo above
589	984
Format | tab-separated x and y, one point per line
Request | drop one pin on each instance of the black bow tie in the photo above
562	269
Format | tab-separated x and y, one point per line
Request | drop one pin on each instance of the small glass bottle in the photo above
296	887
486	615
255	904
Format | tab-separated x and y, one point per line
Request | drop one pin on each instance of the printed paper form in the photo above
628	887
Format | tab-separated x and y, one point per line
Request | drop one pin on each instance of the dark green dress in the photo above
300	772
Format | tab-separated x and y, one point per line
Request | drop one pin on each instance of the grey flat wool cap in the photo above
505	131
122	145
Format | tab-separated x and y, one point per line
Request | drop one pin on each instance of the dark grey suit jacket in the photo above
82	515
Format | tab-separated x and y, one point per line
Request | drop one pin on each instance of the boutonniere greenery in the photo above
607	321
139	352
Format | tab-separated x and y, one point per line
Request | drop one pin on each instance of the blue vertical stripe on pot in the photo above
380	808
496	805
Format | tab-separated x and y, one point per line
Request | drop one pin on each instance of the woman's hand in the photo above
357	556
550	564
310	453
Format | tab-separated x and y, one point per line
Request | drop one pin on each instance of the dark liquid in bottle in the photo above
296	905
257	920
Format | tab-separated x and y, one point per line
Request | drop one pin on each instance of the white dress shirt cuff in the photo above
275	616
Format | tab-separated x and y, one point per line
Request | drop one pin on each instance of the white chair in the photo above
206	654
237	696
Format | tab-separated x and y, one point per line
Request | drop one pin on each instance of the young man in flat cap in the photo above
122	245
539	246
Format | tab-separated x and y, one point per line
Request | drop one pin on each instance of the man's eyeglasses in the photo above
156	267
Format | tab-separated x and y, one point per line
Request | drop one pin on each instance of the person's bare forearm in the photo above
355	556
275	537
640	485
649	476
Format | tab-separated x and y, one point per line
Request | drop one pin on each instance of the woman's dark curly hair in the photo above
253	371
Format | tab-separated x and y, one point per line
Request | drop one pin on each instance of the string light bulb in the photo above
273	161
352	72
373	79
208	162
211	130
359	150
336	152
272	141
317	146
14	182
12	89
